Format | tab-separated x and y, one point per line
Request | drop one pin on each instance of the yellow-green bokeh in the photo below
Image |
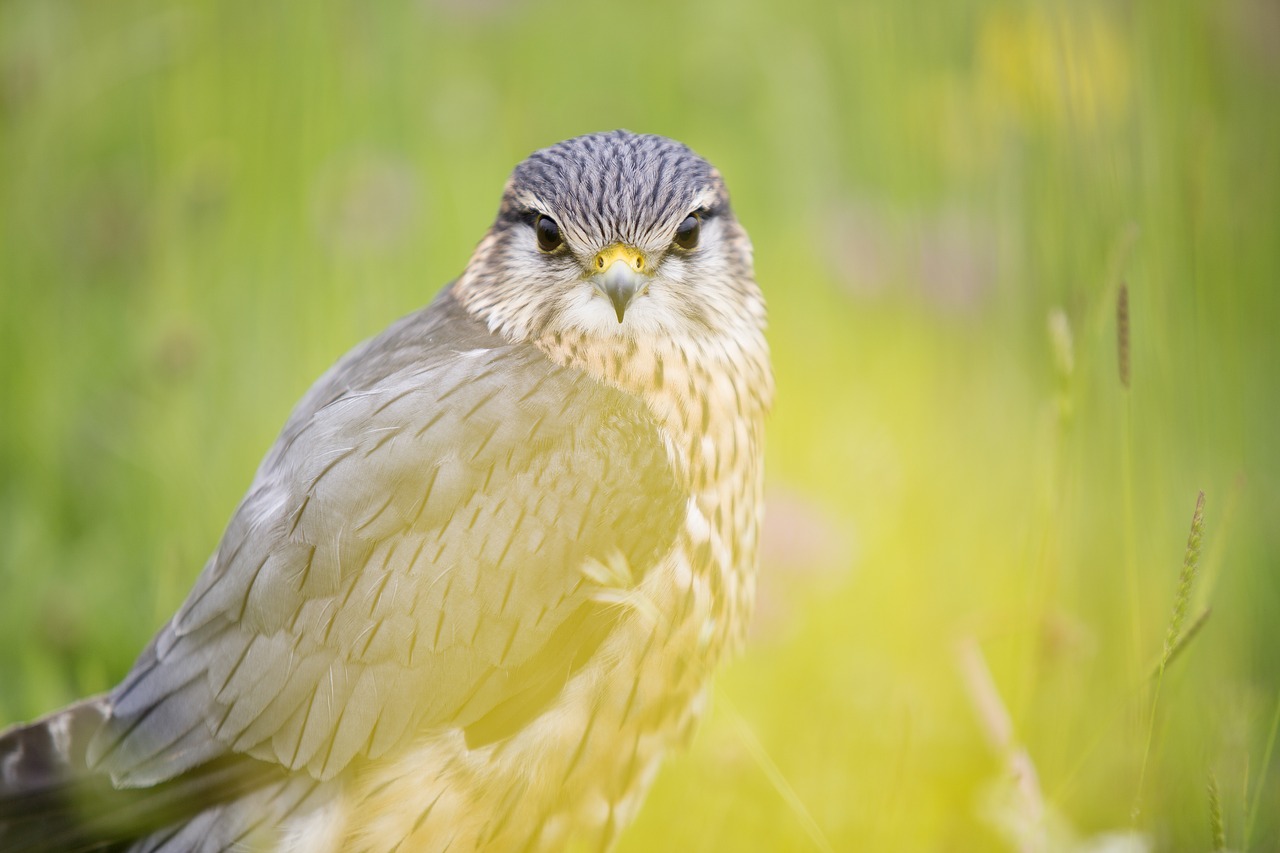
202	205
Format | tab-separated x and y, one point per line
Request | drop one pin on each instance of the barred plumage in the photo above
479	584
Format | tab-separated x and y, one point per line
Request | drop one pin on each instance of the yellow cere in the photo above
628	255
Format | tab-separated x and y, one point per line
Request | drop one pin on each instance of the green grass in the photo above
203	205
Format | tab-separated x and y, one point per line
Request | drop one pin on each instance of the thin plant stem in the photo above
1262	776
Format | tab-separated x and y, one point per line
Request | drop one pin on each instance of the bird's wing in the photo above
423	547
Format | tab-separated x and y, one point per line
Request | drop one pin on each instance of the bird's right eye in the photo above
548	232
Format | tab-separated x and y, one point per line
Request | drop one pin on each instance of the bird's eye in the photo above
548	232
687	232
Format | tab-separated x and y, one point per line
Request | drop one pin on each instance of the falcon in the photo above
479	585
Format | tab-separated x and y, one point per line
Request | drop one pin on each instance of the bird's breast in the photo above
579	770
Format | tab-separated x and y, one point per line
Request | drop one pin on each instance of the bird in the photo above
479	585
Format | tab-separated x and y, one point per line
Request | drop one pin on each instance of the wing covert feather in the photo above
415	532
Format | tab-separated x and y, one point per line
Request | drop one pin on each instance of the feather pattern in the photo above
477	587
396	551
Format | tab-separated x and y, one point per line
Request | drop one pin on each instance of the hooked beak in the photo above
621	280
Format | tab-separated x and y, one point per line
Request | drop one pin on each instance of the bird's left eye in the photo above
687	232
548	232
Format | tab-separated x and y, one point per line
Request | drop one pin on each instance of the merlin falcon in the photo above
479	585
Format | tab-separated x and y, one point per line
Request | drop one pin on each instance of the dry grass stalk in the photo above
1216	825
1122	333
1174	640
997	725
1186	580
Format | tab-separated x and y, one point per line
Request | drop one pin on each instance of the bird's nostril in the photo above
639	263
600	261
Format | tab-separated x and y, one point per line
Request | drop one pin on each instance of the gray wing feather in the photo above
249	823
416	530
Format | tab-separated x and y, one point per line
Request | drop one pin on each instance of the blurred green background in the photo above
203	205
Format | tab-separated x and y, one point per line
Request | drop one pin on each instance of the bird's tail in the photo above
41	755
44	781
52	800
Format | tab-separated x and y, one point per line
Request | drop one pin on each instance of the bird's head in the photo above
614	235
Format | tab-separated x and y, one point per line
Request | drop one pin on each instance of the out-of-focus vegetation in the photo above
973	521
